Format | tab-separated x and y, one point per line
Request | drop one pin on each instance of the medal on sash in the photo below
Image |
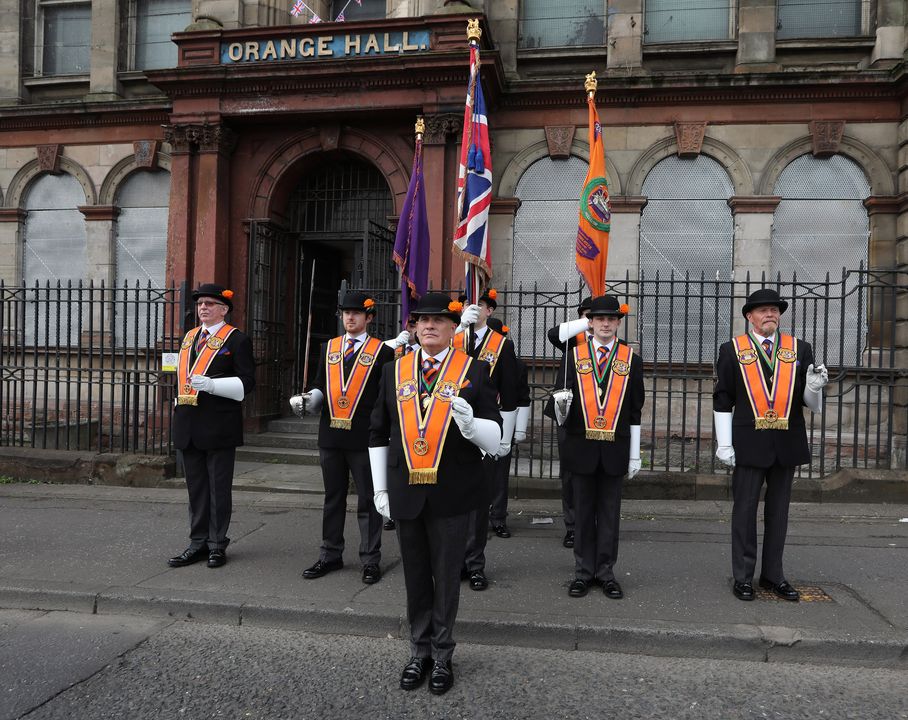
188	395
424	423
601	410
771	408
344	393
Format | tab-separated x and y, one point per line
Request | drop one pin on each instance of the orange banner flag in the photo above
595	209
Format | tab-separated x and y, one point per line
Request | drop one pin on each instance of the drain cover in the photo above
809	593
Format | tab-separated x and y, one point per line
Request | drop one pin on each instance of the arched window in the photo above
686	231
821	226
545	233
141	252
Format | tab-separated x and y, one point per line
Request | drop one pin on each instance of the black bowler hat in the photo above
218	292
584	305
607	305
498	326
357	300
436	303
490	298
764	296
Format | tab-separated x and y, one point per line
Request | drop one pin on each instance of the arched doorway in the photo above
333	230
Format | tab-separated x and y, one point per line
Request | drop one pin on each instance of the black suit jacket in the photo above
217	422
523	385
762	448
460	485
504	375
583	456
357	437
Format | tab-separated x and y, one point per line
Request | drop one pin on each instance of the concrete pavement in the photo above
103	550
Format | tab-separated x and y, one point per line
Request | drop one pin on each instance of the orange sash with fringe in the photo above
771	408
601	410
344	393
490	349
188	395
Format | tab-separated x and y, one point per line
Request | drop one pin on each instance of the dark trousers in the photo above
431	552
209	480
567	485
597	511
746	483
478	522
337	466
498	512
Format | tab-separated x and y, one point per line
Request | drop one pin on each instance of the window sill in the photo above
690	48
559	52
55	80
826	43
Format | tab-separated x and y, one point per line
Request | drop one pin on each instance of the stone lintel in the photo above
99	212
627	204
754	203
505	206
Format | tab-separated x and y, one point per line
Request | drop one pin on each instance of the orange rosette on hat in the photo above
455	306
227	294
625	308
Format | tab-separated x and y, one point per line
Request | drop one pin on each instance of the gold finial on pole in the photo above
473	30
420	126
591	84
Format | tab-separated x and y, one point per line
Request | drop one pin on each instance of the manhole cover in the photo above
809	593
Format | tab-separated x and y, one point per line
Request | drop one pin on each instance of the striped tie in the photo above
348	353
200	344
603	359
429	369
767	346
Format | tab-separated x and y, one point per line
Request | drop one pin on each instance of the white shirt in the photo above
214	328
359	340
439	358
760	338
480	333
597	345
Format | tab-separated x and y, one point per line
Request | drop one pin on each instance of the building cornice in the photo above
60	115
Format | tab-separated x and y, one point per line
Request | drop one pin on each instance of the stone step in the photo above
308	424
286	456
296	441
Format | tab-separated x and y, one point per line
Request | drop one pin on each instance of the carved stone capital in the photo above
99	212
627	204
886	204
439	127
559	139
505	206
49	158
826	136
689	137
146	153
13	215
204	138
754	203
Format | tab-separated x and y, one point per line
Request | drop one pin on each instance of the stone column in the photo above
891	37
501	231
228	13
105	31
100	243
753	217
12	220
442	135
624	248
900	391
756	36
625	34
180	212
11	90
211	258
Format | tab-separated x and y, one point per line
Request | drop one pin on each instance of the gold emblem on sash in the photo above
334	358
599	423
365	359
620	367
446	390
771	415
187	342
187	388
406	390
488	357
786	355
343	402
420	446
747	356
215	343
584	366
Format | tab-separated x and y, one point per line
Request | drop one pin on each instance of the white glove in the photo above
399	341
568	329
633	466
523	420
463	416
202	383
230	387
817	377
378	461
308	403
469	316
563	400
725	452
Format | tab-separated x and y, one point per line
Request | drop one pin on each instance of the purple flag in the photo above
411	246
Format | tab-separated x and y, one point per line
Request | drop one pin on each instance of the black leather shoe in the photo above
502	530
578	588
743	591
389	525
568	541
442	678
216	558
612	589
189	556
478	580
414	673
322	568
783	589
371	574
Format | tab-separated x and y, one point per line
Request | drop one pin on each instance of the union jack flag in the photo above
474	187
297	8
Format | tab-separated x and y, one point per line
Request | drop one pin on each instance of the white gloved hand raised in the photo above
463	416
202	383
399	341
469	316
817	377
571	328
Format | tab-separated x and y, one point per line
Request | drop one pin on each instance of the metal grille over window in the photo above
687	20
545	231
819	228
55	245
818	18
64	38
154	22
569	23
141	252
686	234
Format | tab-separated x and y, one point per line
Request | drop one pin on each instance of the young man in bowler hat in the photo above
763	379
216	371
602	441
436	412
345	390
